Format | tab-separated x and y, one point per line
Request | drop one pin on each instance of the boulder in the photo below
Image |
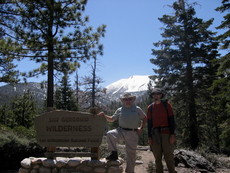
191	159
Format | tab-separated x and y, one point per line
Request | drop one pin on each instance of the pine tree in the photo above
8	72
54	32
184	63
6	116
24	110
220	88
224	38
64	95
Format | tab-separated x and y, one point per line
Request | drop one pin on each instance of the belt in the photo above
128	129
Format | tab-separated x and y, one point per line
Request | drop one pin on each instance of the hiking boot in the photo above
113	156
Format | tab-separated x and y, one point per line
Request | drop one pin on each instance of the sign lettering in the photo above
69	128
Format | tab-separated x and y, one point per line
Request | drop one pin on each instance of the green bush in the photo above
15	145
22	131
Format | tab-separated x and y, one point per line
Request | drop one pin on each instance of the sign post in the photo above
61	128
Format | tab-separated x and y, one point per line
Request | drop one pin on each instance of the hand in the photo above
139	130
102	114
172	139
150	140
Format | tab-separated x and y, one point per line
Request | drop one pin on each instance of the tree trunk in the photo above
50	89
93	84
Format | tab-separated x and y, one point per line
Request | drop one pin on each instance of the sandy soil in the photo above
146	160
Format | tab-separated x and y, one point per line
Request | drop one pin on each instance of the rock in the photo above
36	161
61	161
26	163
49	163
23	170
99	170
113	169
95	163
74	162
44	170
138	162
67	165
191	159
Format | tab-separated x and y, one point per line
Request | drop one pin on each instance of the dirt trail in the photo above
145	157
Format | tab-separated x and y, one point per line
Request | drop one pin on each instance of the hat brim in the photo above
133	98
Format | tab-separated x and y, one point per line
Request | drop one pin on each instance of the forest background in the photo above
187	63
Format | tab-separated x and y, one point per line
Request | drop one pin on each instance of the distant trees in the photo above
52	33
20	112
64	95
185	68
91	85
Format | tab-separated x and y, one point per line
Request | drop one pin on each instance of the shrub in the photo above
15	146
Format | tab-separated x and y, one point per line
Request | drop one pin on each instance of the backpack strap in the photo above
165	103
150	121
171	119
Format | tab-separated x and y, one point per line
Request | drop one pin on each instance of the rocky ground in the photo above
145	164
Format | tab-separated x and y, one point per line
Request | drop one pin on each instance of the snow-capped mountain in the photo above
136	84
8	92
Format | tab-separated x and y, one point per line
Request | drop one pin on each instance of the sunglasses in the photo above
127	99
156	94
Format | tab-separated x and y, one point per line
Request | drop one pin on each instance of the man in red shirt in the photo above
161	127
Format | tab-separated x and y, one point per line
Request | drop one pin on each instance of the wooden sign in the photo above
69	129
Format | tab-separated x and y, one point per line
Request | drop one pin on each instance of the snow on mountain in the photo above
8	92
136	84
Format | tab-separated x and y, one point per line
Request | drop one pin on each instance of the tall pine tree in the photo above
183	61
54	32
221	86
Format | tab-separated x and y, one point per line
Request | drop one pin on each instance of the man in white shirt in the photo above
131	120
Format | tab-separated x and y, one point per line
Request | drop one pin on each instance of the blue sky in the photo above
132	28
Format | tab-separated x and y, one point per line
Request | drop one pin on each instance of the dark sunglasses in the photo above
156	94
128	99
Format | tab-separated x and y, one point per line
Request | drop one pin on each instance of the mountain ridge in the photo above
136	84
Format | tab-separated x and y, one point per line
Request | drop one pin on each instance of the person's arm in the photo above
143	120
171	120
108	118
172	125
149	121
143	123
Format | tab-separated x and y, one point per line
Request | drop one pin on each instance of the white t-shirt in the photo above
129	117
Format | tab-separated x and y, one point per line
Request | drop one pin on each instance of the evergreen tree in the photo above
64	96
220	88
6	116
54	32
24	110
224	38
8	48
184	63
8	74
